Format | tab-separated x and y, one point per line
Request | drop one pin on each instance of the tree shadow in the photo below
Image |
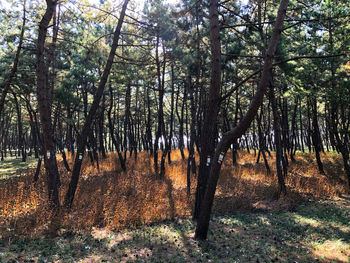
240	237
327	212
68	247
170	197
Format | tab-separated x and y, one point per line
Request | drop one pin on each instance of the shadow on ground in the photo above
314	232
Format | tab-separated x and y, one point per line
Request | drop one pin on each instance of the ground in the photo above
136	217
314	232
15	167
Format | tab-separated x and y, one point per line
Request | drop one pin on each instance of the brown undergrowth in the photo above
108	197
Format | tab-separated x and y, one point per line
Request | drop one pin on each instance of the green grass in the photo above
314	232
15	167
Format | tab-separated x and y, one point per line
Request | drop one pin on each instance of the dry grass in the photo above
113	199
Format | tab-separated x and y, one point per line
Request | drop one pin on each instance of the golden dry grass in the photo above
114	199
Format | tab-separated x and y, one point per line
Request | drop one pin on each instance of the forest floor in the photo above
15	167
137	217
314	232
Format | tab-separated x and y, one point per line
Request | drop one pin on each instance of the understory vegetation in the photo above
134	216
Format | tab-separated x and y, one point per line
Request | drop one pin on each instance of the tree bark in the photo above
208	133
102	149
316	138
21	146
87	126
277	134
171	132
229	137
44	93
114	136
181	120
7	84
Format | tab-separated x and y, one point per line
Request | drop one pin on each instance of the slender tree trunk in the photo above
181	122
301	130
308	138
234	134
114	135
127	122
278	142
262	146
61	146
6	87
209	128
171	113
191	162
149	124
101	119
161	114
44	94
235	145
316	136
285	132
87	126
69	134
160	109
21	146
38	139
294	128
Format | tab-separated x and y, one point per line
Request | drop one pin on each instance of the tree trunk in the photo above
161	114
8	82
234	134
181	121
44	94
87	126
171	113
209	127
316	136
102	149
301	130
278	142
114	135
262	145
191	162
21	146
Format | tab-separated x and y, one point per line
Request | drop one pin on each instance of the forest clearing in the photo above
174	131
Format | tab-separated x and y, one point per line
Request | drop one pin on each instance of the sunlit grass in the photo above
332	250
14	167
109	199
243	237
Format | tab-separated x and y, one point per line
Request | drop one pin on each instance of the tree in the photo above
229	137
6	85
45	99
97	97
209	131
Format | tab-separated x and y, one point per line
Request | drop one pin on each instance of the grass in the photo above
137	217
14	166
307	234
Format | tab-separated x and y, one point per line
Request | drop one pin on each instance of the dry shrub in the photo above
108	197
248	186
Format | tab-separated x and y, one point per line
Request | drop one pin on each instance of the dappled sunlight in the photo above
306	221
244	237
110	198
264	220
91	259
11	167
332	250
